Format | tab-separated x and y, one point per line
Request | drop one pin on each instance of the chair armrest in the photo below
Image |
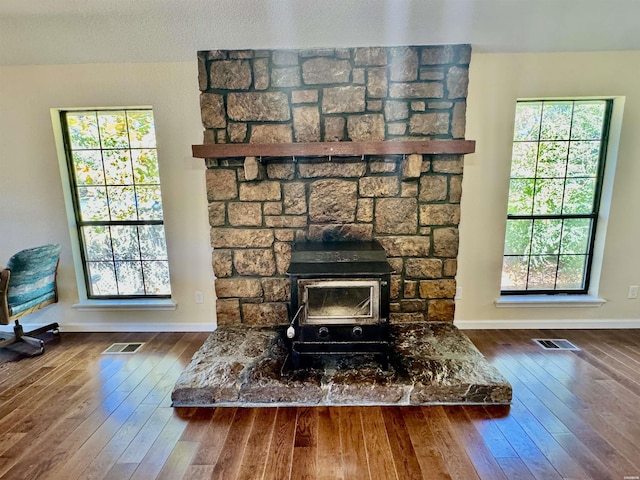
5	273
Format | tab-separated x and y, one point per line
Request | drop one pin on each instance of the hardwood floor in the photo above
75	413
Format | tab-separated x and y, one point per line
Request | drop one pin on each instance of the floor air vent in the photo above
555	344
123	348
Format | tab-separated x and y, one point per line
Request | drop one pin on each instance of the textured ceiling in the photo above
97	31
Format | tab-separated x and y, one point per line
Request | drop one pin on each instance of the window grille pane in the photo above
152	242
125	242
122	203
524	158
583	158
527	126
117	167
546	237
552	159
156	277
575	236
571	272
556	170
548	197
142	132
521	196
97	241
83	130
149	203
129	278
102	279
114	166
588	120
113	130
88	167
542	272
556	121
145	167
93	203
514	273
518	238
578	196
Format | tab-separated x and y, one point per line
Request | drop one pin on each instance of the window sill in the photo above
528	301
139	304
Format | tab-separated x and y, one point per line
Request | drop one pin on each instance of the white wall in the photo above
496	81
32	210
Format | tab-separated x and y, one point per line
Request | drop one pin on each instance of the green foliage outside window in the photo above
556	171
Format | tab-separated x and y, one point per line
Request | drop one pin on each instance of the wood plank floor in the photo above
75	413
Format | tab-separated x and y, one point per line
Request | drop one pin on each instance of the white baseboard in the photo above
125	327
546	324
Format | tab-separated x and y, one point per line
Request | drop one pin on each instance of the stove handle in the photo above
291	331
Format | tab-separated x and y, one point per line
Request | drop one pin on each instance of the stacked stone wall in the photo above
254	223
350	94
258	207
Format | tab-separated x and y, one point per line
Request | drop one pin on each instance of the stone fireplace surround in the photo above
259	206
270	118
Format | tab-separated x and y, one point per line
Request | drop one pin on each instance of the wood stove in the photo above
339	300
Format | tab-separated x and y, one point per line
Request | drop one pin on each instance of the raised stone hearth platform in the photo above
431	363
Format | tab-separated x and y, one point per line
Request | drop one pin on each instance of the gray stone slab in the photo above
431	363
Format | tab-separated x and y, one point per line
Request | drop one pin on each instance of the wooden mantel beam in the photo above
426	147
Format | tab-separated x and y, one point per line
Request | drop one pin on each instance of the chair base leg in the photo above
20	336
52	326
34	342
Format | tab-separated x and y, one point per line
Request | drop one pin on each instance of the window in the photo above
115	187
557	167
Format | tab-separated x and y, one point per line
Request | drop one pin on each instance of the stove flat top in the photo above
342	258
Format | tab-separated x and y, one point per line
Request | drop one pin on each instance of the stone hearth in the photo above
431	363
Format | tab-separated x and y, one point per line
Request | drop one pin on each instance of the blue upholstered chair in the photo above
27	284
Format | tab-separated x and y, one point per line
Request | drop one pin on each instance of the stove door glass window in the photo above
341	301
